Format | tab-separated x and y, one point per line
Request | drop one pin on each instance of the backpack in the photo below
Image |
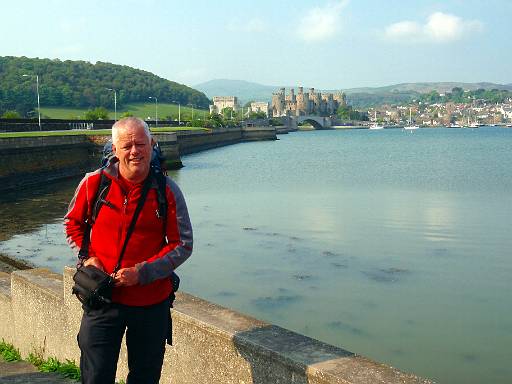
158	171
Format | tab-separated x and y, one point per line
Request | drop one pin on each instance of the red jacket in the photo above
147	240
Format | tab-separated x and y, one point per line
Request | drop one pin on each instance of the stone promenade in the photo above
21	372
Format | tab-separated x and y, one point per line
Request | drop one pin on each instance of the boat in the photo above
410	127
376	124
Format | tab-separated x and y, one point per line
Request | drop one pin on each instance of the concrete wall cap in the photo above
41	278
5	284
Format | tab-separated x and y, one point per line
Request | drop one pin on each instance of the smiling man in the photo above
158	244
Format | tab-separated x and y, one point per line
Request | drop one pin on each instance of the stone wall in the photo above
26	161
212	344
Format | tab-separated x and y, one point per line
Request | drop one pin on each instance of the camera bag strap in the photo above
140	204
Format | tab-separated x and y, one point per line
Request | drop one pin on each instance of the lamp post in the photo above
179	111
38	105
156	109
115	102
192	105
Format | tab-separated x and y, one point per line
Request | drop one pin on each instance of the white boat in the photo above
376	124
410	127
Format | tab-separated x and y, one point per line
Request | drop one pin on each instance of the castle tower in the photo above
278	103
302	102
340	98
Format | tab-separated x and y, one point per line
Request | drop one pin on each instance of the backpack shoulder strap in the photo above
99	200
101	192
162	199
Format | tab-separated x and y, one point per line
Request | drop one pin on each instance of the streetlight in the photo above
192	105
115	102
156	109
179	111
38	105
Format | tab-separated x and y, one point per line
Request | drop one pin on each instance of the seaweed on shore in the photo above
9	264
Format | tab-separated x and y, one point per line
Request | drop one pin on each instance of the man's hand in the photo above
126	277
95	262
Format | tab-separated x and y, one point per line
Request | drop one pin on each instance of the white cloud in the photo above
438	28
321	23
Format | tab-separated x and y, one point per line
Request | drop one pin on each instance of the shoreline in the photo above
9	264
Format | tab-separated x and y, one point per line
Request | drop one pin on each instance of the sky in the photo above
327	44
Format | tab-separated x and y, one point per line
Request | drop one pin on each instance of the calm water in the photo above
391	244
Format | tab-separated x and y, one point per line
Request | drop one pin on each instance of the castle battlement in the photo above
306	103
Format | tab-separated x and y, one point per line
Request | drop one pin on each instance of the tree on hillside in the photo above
99	113
227	113
343	112
257	115
11	115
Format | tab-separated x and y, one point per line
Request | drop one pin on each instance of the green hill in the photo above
80	84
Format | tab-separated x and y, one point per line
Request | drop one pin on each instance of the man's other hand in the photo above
95	262
126	277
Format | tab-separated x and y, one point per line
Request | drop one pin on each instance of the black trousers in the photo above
100	336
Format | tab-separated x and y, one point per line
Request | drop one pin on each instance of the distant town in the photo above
458	108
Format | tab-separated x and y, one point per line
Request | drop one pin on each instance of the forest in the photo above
82	84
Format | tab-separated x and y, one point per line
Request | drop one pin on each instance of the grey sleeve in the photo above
164	265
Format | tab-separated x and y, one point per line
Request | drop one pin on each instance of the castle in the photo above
312	103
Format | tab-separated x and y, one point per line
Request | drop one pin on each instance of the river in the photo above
391	244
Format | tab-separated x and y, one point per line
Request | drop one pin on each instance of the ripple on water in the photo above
470	357
346	327
386	275
339	265
440	252
301	277
270	303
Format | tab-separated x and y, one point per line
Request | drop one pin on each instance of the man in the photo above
140	298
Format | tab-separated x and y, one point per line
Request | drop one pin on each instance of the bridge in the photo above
318	122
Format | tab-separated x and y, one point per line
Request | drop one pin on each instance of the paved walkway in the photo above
21	372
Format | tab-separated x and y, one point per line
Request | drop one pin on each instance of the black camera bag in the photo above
93	287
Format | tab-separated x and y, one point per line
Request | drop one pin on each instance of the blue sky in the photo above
325	44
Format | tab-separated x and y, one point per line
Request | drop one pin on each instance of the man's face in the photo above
133	149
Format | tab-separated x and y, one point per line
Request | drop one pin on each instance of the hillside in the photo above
80	84
358	97
166	111
244	90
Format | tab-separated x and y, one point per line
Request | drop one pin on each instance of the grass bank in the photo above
90	132
142	110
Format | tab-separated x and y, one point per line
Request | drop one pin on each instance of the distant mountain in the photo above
358	97
244	90
82	84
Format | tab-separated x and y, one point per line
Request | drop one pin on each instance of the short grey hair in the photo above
127	121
